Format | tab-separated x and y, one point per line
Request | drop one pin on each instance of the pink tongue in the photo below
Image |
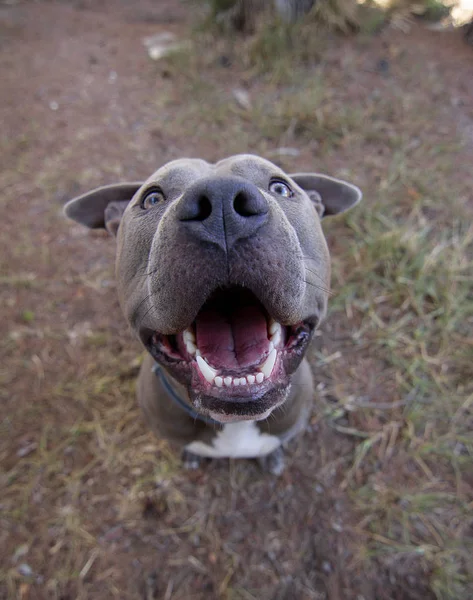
232	341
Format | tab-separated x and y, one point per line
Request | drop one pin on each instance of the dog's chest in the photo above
237	440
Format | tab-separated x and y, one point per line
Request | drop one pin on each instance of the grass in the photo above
406	287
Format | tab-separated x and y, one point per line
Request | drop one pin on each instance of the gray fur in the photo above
172	256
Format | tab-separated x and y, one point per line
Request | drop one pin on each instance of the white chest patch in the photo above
237	440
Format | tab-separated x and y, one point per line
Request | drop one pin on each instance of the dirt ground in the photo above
92	505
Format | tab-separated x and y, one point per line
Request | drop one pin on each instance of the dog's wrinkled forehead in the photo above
178	174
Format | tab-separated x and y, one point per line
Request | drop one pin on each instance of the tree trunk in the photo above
291	10
242	14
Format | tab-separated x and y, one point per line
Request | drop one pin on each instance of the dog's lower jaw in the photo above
222	418
232	410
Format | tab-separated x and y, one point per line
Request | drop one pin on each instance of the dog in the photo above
223	273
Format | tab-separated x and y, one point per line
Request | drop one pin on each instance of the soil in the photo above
95	506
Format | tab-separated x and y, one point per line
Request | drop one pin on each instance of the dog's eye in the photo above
151	199
280	189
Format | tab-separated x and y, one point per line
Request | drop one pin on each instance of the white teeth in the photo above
267	367
275	330
189	341
191	348
276	337
206	370
211	375
189	336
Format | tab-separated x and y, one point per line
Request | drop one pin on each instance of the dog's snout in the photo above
222	210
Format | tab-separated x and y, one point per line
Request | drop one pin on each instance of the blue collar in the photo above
178	400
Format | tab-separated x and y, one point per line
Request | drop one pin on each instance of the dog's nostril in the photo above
203	208
242	205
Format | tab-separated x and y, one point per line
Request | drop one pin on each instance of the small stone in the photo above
162	44
242	98
53	105
25	570
326	567
27	449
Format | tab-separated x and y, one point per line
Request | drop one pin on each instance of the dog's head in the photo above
223	271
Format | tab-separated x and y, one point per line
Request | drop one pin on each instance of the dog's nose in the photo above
222	210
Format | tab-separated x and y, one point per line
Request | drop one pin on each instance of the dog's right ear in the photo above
102	207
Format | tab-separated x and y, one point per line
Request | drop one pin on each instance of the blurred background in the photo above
376	502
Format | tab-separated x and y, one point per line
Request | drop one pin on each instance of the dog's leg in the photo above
274	462
191	461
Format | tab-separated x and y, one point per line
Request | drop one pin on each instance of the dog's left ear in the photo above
330	196
102	207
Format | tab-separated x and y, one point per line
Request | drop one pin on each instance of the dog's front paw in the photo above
274	462
191	461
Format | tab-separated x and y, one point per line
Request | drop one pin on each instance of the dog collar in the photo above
178	400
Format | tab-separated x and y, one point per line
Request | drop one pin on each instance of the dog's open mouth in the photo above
234	349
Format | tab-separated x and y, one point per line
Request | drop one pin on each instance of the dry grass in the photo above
408	296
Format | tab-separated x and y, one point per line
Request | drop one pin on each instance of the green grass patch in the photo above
407	289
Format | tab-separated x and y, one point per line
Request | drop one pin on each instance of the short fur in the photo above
172	257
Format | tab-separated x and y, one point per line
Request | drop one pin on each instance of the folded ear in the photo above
102	207
330	196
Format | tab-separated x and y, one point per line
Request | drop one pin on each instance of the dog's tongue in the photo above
232	337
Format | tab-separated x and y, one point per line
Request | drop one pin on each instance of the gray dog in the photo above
223	272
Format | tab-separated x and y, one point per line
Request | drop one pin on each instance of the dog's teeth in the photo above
228	381
189	341
267	367
189	336
190	347
271	347
276	338
206	370
275	330
197	353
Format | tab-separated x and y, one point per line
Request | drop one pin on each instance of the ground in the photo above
376	502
